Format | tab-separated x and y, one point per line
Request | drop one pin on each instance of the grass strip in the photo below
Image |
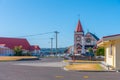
15	58
84	67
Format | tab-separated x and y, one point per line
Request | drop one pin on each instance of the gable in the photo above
92	36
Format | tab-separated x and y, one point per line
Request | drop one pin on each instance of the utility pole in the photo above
51	46
56	33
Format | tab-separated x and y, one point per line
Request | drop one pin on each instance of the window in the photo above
88	40
78	38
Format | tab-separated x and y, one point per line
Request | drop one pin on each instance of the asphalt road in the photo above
25	70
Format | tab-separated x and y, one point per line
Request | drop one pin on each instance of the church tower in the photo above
78	39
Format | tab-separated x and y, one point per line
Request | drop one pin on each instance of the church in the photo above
83	41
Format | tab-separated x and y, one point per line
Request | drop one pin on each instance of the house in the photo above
4	51
35	50
8	44
112	50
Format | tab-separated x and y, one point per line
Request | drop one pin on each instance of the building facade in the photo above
7	46
83	41
112	50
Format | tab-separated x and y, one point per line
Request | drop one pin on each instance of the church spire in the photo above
79	27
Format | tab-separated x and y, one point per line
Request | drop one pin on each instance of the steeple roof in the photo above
79	27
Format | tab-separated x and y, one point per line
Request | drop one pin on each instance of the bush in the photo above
100	51
18	51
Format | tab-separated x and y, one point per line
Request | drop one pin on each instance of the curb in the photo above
28	59
87	70
95	71
91	70
65	69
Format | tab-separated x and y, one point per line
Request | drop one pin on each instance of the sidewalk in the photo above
43	64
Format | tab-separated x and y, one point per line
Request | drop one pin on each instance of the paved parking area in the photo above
43	64
13	71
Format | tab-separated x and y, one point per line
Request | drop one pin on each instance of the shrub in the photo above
18	50
100	51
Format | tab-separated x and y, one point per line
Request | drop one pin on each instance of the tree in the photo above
18	50
91	54
100	51
90	50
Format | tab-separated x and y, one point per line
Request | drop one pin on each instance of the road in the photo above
48	69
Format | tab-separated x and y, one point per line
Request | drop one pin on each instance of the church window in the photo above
88	40
78	45
78	39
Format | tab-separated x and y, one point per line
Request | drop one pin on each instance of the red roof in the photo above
12	42
111	35
79	27
107	37
34	47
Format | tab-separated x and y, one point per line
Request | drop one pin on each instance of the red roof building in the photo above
34	47
12	42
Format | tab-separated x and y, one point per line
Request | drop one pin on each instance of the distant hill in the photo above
48	50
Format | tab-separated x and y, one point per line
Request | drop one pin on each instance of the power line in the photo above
36	34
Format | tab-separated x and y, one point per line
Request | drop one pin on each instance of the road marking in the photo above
86	77
59	76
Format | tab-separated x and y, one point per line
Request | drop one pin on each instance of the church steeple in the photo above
79	27
78	38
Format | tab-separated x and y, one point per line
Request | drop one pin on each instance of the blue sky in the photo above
29	17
